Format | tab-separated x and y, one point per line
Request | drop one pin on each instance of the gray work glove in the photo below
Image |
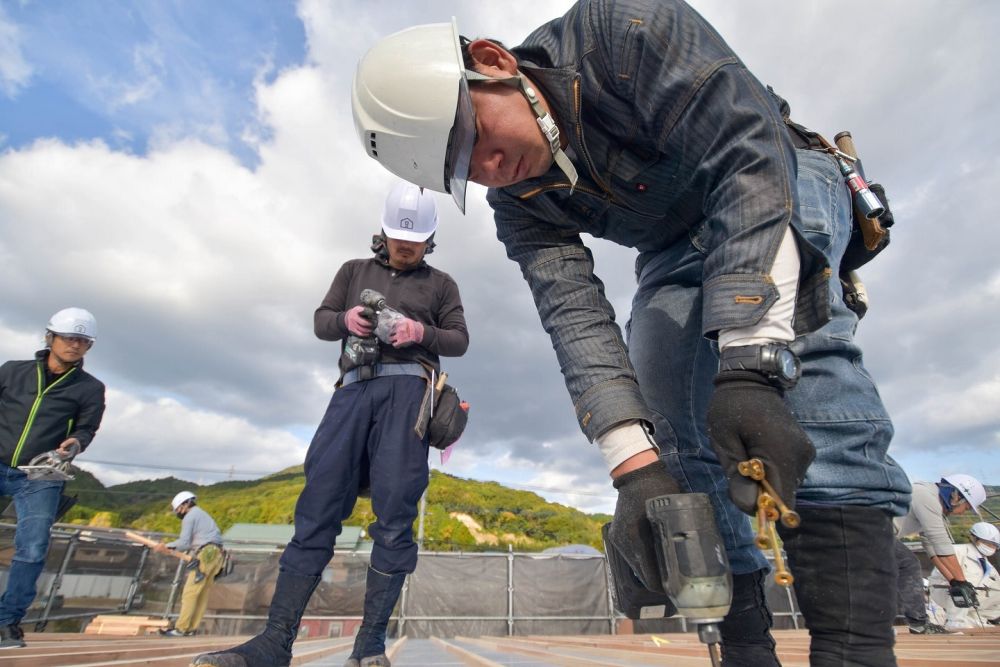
748	418
630	532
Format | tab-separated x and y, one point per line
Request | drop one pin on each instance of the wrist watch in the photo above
775	361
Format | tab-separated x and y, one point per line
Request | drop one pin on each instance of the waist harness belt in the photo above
381	370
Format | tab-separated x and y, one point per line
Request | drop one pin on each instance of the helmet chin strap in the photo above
546	123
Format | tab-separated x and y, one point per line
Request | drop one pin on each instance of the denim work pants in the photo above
835	401
366	433
36	503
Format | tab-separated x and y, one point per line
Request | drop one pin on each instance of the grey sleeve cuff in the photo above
609	404
735	301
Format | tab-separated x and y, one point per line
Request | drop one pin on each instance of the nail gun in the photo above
694	570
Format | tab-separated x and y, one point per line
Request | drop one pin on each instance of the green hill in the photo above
461	514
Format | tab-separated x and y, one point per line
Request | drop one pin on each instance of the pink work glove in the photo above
360	321
406	332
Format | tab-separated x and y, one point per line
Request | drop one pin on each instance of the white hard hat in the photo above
970	488
73	322
412	109
410	213
986	531
181	498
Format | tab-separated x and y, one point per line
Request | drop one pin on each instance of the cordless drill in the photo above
385	315
692	563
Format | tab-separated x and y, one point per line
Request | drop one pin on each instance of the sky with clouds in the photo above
189	172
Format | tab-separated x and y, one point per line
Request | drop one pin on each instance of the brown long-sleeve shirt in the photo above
424	294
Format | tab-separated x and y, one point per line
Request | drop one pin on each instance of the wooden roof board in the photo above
979	648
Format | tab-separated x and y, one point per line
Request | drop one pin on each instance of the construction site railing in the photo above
79	548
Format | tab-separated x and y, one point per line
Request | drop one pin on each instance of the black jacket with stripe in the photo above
39	411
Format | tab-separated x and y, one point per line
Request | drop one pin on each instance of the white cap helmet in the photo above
970	488
412	109
181	498
73	322
986	531
410	213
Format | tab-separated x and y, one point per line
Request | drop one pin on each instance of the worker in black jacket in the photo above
47	403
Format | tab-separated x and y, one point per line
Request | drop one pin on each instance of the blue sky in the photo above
189	172
124	70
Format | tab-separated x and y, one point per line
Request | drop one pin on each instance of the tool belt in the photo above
443	415
361	373
197	565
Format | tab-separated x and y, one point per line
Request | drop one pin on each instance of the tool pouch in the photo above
862	247
451	415
444	423
855	294
227	564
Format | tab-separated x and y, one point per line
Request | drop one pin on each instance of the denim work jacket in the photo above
674	139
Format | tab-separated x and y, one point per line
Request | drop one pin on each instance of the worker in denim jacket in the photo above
633	121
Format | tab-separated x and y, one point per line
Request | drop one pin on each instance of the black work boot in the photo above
12	636
746	629
273	647
845	584
381	593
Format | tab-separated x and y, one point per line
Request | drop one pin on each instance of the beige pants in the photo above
194	600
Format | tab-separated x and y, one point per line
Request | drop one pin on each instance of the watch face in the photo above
787	363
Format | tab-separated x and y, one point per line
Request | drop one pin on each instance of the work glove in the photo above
631	534
748	418
360	320
406	332
963	594
68	448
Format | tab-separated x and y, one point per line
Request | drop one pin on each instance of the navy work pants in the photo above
366	433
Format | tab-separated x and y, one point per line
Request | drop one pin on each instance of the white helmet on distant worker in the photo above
986	538
970	488
410	213
73	322
412	109
986	531
181	498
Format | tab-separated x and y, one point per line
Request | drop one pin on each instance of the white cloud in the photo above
15	71
20	344
204	273
163	432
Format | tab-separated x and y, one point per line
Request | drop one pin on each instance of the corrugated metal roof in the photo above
269	535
